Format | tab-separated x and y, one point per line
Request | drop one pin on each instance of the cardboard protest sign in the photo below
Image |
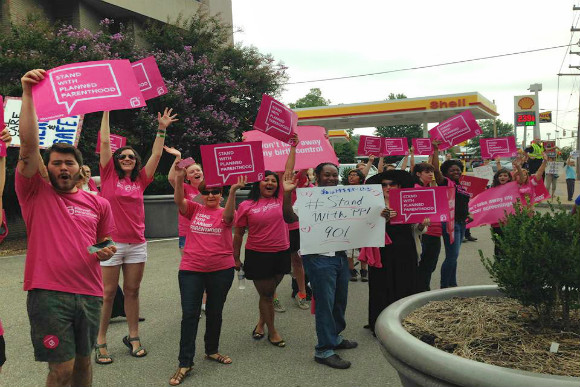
498	147
149	78
413	205
275	119
552	168
223	163
395	146
370	145
473	185
313	149
490	206
87	87
422	146
484	172
67	130
456	129
340	218
116	142
550	148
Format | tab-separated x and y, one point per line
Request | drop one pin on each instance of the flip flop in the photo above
222	359
256	335
279	344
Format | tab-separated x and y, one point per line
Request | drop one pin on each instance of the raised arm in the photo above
178	194
542	168
412	166
230	208
28	128
291	161
106	152
289	183
177	154
368	165
164	121
569	161
4	136
439	178
405	162
381	166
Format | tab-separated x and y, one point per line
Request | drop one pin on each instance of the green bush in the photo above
540	263
159	186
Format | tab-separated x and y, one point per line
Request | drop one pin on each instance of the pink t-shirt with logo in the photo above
126	198
60	228
209	245
267	231
190	193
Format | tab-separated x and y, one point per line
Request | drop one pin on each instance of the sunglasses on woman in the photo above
214	192
123	157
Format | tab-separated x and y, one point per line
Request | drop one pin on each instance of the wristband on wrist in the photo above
160	135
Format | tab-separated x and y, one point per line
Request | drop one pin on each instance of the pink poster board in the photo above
275	119
413	205
314	148
223	163
473	185
456	129
370	145
498	147
395	146
149	78
422	146
116	142
490	206
2	125
87	87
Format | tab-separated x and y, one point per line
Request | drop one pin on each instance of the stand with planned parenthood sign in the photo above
382	146
422	146
67	130
149	78
275	119
223	163
340	218
455	130
413	205
498	147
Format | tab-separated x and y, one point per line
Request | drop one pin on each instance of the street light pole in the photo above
535	88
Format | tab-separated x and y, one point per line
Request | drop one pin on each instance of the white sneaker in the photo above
278	306
302	303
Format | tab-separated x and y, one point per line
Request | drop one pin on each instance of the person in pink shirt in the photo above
123	182
267	253
62	277
207	265
527	182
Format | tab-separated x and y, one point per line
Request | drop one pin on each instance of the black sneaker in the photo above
354	275
346	344
470	238
333	361
364	275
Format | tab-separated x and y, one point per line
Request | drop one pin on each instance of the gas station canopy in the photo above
408	111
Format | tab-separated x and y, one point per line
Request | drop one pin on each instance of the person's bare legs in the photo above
298	271
110	282
266	289
132	276
60	374
82	372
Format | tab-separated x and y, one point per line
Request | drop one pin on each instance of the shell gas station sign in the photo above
525	110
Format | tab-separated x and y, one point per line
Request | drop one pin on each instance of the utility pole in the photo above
576	8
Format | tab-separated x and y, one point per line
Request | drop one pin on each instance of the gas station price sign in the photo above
525	118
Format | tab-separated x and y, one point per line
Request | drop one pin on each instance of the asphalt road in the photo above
255	363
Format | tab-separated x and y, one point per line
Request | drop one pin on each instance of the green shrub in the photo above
159	186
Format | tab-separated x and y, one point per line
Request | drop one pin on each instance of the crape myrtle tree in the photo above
215	86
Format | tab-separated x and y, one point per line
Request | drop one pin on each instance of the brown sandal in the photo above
223	359
179	376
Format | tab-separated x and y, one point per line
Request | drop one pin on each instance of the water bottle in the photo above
241	278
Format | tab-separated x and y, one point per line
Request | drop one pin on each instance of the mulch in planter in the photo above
498	331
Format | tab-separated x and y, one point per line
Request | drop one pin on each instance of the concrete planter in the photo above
420	364
160	216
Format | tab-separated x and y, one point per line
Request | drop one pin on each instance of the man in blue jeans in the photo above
329	276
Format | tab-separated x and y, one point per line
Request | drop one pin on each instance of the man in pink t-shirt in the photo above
62	277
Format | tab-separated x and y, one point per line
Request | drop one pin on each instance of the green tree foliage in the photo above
504	129
312	99
565	152
408	131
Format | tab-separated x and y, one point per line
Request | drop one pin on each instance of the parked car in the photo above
506	164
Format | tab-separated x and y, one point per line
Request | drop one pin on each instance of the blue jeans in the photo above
449	266
192	284
329	278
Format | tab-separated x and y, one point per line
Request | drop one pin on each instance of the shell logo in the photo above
526	103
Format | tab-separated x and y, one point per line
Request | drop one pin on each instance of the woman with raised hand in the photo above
528	182
501	177
123	182
267	252
207	265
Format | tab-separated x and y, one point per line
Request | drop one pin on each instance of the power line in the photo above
429	66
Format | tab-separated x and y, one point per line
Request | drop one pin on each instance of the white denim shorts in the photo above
128	253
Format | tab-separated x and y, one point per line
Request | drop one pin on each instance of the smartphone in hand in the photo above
97	246
186	162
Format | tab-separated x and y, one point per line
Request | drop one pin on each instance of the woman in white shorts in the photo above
123	181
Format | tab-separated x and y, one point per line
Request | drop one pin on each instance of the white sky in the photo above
322	39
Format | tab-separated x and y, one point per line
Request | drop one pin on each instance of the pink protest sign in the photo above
422	146
490	206
87	87
276	119
370	145
456	129
116	142
313	149
395	146
149	77
413	205
223	163
473	185
2	125
498	147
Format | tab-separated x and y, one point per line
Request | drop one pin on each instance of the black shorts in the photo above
263	265
2	351
294	240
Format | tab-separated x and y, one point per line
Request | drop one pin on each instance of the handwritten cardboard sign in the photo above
223	163
484	172
370	145
313	149
422	146
490	206
552	168
473	185
275	119
67	129
149	78
498	147
340	218
395	146
87	87
116	142
456	129
413	205
550	148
